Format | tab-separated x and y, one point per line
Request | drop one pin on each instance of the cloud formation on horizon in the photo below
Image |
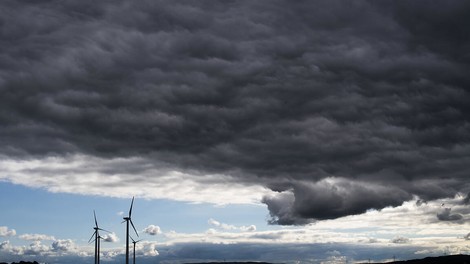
410	228
337	108
36	237
7	232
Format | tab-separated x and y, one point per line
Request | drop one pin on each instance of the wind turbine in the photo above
97	237
134	242
128	219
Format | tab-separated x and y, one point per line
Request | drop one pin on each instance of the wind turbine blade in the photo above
133	241
104	230
96	222
123	221
91	238
134	228
130	210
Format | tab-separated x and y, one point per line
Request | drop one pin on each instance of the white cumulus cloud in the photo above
223	226
250	228
36	237
112	237
150	249
152	230
218	224
63	245
6	232
36	248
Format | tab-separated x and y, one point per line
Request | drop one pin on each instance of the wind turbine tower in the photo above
134	242
128	219
97	237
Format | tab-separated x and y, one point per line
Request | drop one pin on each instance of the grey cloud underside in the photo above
447	215
279	93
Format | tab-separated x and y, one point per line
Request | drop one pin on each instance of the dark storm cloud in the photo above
331	198
339	106
466	200
447	215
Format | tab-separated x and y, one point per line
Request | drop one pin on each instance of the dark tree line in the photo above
21	262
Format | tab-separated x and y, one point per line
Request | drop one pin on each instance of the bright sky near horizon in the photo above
281	131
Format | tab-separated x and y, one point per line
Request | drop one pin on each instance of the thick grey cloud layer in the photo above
339	106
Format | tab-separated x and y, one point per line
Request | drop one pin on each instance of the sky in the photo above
282	131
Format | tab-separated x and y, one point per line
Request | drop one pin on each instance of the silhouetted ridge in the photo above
21	262
453	259
229	263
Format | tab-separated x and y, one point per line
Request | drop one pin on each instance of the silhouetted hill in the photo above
229	263
453	259
21	262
